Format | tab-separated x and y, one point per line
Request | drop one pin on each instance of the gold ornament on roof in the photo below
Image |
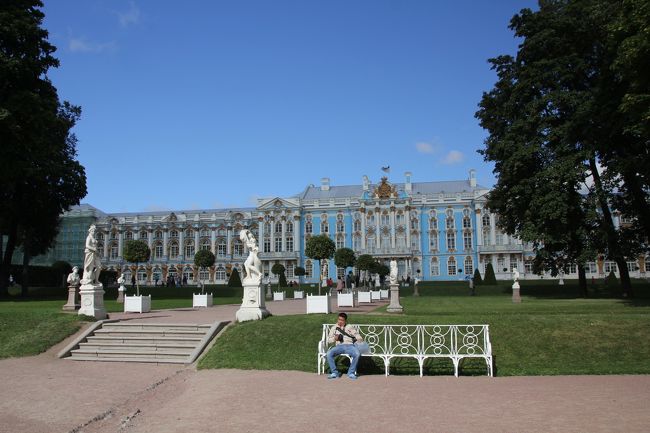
385	190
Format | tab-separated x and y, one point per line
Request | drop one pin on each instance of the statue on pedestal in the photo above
395	306
393	272
252	265
92	291
73	277
73	284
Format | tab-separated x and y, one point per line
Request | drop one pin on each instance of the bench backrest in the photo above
431	340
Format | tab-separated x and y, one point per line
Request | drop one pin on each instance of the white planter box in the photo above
298	294
345	300
375	295
383	294
318	304
137	304
199	300
278	296
364	297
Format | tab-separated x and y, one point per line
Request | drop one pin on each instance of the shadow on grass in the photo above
409	367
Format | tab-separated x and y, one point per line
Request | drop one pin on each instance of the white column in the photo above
150	239
213	241
296	235
408	228
363	230
284	239
392	227
273	235
377	232
165	242
106	242
493	238
228	238
479	228
196	240
120	243
181	247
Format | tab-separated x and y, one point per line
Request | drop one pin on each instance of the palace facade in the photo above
435	231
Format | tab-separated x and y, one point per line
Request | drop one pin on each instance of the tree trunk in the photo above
637	196
608	225
582	281
24	291
5	265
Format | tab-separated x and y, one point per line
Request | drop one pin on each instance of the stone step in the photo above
136	339
152	353
137	346
75	357
157	326
149	332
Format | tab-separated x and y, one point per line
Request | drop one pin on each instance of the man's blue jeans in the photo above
343	349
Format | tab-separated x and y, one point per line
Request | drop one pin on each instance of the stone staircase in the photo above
142	342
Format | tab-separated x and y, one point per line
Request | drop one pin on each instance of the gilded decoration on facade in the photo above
385	190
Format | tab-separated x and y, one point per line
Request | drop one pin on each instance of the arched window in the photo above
100	249
309	228
158	234
204	274
370	244
340	241
357	226
173	234
433	223
128	236
469	266
189	233
435	267
451	240
113	250
309	269
385	218
158	250
173	250
188	274
278	227
205	244
486	236
340	227
486	219
144	235
433	241
238	248
189	248
142	275
221	247
370	218
220	274
356	243
324	225
451	266
205	232
467	240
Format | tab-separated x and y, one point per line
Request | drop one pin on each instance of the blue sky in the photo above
191	105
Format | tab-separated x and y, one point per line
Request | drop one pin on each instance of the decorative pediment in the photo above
277	203
385	190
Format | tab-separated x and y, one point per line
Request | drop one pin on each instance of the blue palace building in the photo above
435	231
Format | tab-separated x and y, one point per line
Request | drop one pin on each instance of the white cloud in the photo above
81	45
453	157
423	147
132	16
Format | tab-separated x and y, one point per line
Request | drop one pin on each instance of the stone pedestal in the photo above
252	306
92	301
516	297
120	294
394	306
72	303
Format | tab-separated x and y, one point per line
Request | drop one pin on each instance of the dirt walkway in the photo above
46	394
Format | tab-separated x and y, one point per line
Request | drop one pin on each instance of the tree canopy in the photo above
564	145
344	258
136	251
40	177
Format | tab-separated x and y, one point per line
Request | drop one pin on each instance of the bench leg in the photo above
386	366
421	362
488	361
456	362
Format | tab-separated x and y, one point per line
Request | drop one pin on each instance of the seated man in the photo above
345	337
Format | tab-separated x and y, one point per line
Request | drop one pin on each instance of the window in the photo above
189	248
267	245
221	248
528	266
610	267
356	243
238	248
399	219
289	227
370	244
188	274
433	223
414	223
632	266
158	234
385	241
451	241
501	264
357	225
142	275
324	227
415	242
340	272
100	236
205	244
128	236
499	237
467	240
572	269
340	227
157	274
467	223
435	267
486	220
173	234
385	219
289	244
144	235
113	235
309	269
158	250
340	241
278	244
451	266
469	266
189	233
220	274
267	228
204	275
100	249
278	227
591	267
290	270
486	236
173	250
308	227
647	264
205	232
370	219
433	241
114	251
449	223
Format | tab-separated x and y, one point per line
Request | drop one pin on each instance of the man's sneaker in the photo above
333	376
352	376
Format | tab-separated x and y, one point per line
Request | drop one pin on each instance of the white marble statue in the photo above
515	275
252	265
92	264
121	281
73	277
393	272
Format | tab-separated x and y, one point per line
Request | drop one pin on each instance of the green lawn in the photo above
547	334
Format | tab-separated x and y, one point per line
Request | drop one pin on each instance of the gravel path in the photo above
46	394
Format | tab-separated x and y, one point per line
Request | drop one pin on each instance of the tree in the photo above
490	279
203	259
320	247
62	269
382	270
477	277
554	117
365	262
136	252
344	258
299	271
234	280
39	175
278	269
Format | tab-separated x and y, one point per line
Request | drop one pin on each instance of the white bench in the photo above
420	342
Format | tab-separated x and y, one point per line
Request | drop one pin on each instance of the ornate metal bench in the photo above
420	342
